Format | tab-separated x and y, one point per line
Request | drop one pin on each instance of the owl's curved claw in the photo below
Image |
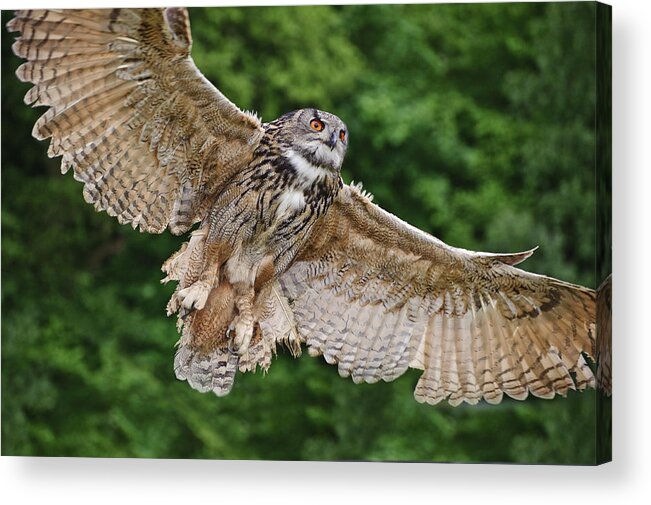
230	336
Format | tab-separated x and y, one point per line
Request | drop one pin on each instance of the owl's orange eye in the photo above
342	135
316	124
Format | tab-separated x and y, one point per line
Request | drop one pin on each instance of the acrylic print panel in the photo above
474	123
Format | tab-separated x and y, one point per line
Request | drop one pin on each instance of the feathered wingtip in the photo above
513	258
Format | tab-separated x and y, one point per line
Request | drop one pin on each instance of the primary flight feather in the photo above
284	252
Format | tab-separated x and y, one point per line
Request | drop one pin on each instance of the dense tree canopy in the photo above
473	122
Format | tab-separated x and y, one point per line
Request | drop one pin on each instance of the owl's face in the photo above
319	137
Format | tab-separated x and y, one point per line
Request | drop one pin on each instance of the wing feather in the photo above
375	295
141	127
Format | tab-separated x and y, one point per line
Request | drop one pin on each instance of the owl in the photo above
280	251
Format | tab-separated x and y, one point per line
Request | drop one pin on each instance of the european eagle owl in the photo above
284	251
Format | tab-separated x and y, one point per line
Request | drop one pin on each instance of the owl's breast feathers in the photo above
272	205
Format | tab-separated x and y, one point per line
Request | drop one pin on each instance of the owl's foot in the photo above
241	329
240	334
194	297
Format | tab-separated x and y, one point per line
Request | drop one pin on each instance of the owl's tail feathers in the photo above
213	371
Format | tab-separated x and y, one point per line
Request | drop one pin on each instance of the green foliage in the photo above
473	122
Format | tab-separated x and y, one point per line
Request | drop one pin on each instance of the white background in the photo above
626	480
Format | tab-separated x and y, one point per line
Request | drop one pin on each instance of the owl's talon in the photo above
230	336
231	348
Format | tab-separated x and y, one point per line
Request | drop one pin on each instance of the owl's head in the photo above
319	137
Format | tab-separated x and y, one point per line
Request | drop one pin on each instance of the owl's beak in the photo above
332	141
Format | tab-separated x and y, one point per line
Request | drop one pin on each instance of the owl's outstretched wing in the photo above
149	136
375	296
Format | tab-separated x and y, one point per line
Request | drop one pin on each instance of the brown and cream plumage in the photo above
605	336
284	251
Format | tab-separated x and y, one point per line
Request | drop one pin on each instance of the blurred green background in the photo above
473	122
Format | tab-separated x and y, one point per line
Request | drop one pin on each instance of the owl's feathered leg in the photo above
185	266
197	268
242	325
194	297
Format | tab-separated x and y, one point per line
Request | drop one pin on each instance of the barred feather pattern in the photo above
149	137
375	296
